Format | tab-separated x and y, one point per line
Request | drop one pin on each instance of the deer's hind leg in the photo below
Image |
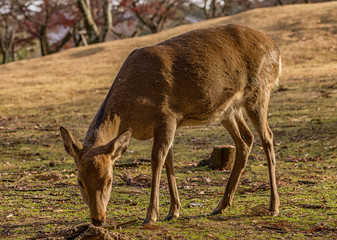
243	138
173	190
257	113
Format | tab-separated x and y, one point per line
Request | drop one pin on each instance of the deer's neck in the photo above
103	129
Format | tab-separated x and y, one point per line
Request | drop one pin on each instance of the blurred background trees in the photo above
31	28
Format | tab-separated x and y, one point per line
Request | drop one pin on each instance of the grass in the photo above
38	191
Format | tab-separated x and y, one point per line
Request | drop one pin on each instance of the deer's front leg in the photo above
163	138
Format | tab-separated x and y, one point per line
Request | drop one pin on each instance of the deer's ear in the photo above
71	144
119	145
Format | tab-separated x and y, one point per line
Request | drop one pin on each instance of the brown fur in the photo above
200	77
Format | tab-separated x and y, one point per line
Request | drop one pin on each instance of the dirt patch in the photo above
83	232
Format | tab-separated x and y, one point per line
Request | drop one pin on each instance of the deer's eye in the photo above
108	183
80	183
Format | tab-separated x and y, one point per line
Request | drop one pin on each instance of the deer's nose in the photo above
97	223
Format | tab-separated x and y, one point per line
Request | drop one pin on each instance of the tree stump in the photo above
223	157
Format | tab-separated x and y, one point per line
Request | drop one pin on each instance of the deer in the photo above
204	76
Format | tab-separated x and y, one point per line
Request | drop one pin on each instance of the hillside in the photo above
39	195
306	34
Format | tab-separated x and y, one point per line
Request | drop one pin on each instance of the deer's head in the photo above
94	168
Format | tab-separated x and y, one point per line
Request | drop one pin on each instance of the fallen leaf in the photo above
141	180
49	176
195	204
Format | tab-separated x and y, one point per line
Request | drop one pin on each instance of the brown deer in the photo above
200	77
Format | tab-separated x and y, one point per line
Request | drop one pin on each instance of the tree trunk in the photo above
213	9
223	157
43	46
61	44
278	2
7	43
89	22
205	10
3	48
5	55
13	55
107	21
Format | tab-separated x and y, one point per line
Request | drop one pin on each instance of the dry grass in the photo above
306	34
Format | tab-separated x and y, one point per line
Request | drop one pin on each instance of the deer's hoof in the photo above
274	213
171	217
147	221
218	211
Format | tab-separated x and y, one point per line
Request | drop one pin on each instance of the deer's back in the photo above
197	75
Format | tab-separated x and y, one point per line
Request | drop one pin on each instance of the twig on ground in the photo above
118	225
